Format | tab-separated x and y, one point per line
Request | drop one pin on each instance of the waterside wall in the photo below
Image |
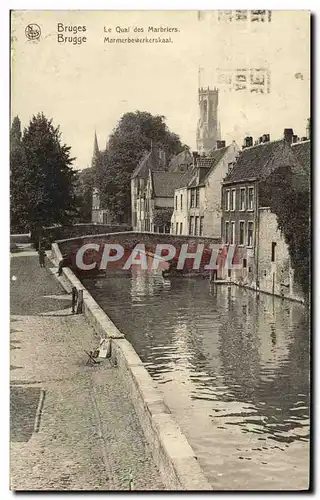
171	451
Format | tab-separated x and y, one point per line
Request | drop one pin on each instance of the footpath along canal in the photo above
87	435
234	371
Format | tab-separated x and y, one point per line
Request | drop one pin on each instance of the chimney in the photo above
221	144
195	156
288	135
248	142
294	139
266	138
155	153
309	128
162	157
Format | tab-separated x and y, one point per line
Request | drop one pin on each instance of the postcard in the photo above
160	250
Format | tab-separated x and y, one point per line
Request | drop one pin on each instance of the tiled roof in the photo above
183	158
187	176
213	158
164	183
142	168
257	162
148	162
207	165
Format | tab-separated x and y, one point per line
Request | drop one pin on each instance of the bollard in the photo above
74	299
80	302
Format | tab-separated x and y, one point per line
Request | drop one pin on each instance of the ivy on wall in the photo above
290	201
162	217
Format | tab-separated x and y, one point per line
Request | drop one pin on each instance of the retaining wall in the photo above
171	451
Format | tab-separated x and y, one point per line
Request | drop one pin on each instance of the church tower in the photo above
95	150
208	130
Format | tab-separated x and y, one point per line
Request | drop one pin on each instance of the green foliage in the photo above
42	190
84	184
127	145
17	187
162	217
290	201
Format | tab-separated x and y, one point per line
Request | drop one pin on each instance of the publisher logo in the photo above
33	31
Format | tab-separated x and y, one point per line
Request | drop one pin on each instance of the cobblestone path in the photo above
73	427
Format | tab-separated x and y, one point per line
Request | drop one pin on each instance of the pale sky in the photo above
88	87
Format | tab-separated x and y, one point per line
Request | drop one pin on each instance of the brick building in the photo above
262	254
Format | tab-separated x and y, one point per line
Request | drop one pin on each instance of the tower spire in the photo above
95	144
95	149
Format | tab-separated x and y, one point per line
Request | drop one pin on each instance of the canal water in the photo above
234	371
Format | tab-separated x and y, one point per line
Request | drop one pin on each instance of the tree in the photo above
43	183
126	147
84	188
162	217
17	187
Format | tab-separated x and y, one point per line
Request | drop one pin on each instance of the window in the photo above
227	200
177	227
226	233
171	227
250	234
250	198
192	200
273	251
205	107
181	197
196	225
241	232
197	197
176	202
242	198
233	199
233	233
201	225
191	225
244	263
180	227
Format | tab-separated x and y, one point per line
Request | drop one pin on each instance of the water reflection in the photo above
233	369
